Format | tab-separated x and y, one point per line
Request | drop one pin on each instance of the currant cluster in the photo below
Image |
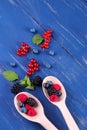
27	104
53	90
47	36
23	50
33	67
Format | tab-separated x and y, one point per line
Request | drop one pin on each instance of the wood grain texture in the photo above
68	20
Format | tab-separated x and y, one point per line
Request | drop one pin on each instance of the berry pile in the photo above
37	81
16	88
53	90
27	104
47	36
23	50
33	67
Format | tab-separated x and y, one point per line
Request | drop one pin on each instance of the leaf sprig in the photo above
28	84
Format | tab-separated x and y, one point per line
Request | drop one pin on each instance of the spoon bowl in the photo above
38	108
39	117
55	80
61	102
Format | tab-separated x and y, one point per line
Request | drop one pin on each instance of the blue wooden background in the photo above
68	20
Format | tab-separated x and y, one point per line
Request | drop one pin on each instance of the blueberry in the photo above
32	30
13	64
23	109
46	85
31	102
50	82
59	93
21	104
51	53
47	65
35	51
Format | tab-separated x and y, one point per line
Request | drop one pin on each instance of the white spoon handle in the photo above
68	117
47	124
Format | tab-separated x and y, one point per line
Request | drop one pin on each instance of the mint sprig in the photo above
28	84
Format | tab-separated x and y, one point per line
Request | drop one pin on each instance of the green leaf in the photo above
10	75
37	39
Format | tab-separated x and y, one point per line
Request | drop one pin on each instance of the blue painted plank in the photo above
14	25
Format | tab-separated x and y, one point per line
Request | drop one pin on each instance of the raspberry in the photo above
22	97
57	87
30	101
27	106
53	98
31	112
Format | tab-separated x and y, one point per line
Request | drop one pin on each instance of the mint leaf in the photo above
37	39
28	81
30	87
22	82
10	75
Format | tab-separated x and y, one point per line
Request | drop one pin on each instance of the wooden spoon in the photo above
39	117
61	103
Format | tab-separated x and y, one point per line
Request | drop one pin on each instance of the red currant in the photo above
46	43
25	50
30	65
48	40
23	53
18	53
32	70
19	49
23	43
49	31
27	46
46	46
45	36
48	35
35	68
42	45
32	60
29	73
36	64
